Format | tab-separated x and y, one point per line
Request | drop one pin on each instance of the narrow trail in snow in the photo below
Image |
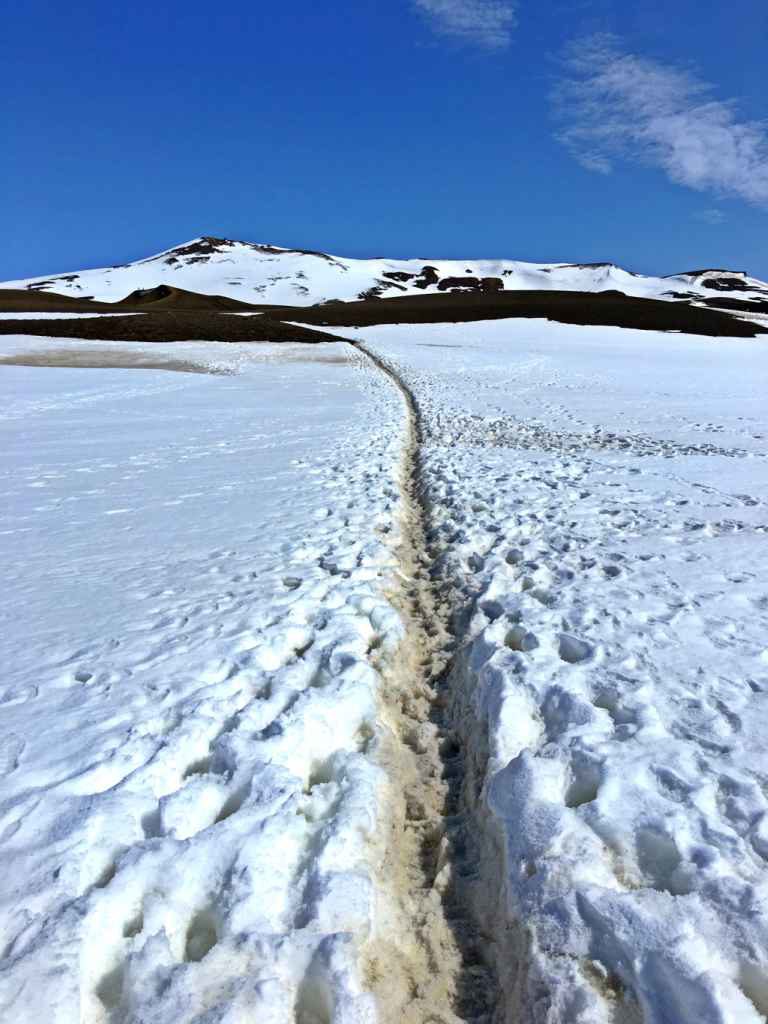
425	963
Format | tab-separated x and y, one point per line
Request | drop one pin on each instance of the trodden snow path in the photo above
425	961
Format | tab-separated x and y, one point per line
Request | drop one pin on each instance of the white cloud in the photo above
618	105
486	23
710	216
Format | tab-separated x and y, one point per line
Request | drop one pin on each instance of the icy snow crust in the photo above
600	497
268	274
196	569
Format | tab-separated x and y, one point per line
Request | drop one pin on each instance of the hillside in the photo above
269	275
162	297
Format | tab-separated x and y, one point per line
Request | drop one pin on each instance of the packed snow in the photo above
194	571
259	273
600	498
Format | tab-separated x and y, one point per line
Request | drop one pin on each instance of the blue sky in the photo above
580	131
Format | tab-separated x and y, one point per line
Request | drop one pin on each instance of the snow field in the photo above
196	571
193	790
599	499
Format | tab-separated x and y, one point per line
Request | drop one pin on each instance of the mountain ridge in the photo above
266	274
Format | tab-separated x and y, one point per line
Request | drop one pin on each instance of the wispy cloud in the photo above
614	104
485	23
710	216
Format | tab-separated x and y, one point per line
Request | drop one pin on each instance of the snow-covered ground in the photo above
269	274
600	497
194	577
197	603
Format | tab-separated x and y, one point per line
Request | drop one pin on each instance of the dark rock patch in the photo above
471	284
428	276
727	284
740	305
398	275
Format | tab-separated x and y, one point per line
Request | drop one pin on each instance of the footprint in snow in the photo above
11	749
573	650
17	695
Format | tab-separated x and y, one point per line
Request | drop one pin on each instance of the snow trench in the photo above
426	960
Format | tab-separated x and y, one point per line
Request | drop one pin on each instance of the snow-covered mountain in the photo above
257	273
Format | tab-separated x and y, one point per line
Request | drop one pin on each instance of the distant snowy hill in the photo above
268	274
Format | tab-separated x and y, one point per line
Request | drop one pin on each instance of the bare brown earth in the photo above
610	308
180	299
168	326
163	297
20	300
173	314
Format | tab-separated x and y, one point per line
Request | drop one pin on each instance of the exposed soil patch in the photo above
610	308
23	300
168	326
174	314
144	300
166	297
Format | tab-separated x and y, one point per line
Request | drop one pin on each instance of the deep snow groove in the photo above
425	962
